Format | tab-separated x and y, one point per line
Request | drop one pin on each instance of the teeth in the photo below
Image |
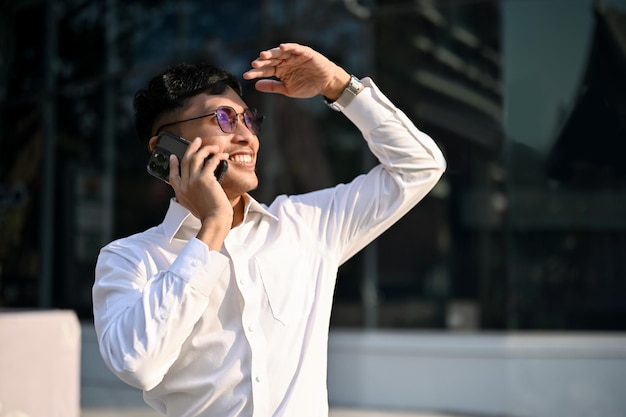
241	158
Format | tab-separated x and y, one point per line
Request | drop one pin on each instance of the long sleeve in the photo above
350	216
144	311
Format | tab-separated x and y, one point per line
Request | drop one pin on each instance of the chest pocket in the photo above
288	276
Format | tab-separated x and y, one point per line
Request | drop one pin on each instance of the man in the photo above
223	309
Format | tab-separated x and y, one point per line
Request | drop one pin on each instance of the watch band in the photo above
353	88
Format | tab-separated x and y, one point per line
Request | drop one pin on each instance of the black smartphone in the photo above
167	144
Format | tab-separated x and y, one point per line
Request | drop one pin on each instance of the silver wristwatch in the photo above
353	88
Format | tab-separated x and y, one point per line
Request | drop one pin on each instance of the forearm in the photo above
142	319
213	233
410	166
393	138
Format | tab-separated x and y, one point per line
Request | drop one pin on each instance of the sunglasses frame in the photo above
233	119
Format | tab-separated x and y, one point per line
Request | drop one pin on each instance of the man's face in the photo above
242	144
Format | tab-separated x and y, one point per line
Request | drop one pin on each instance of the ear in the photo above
152	143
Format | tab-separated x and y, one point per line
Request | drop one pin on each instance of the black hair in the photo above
171	89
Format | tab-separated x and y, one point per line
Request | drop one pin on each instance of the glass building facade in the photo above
526	230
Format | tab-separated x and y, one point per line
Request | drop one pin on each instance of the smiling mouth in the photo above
241	159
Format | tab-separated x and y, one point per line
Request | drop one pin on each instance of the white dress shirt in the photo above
243	331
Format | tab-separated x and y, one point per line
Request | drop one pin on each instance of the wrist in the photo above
336	86
353	88
213	231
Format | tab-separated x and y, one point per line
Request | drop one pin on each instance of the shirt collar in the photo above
180	223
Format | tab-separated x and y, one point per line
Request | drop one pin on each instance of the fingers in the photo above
266	64
195	156
263	68
174	178
212	161
293	48
299	72
261	72
196	162
282	51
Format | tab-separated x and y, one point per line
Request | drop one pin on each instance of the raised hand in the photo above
301	71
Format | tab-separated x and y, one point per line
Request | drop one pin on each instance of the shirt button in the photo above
251	328
242	282
195	263
258	379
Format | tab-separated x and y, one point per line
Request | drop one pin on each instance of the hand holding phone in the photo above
167	144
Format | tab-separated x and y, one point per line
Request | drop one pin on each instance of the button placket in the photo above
251	294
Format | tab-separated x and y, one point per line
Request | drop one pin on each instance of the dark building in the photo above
510	238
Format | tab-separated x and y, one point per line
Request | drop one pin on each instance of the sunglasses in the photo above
227	119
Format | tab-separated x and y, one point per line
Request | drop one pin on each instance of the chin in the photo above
238	186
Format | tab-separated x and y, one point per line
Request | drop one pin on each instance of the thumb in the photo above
270	86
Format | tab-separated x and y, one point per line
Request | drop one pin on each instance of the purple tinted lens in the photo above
253	121
226	118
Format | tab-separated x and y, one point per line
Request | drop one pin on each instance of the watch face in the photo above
354	86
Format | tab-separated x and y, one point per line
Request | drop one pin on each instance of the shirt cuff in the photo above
200	267
370	108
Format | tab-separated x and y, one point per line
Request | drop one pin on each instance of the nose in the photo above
241	128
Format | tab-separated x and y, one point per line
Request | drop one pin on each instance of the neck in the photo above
238	211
